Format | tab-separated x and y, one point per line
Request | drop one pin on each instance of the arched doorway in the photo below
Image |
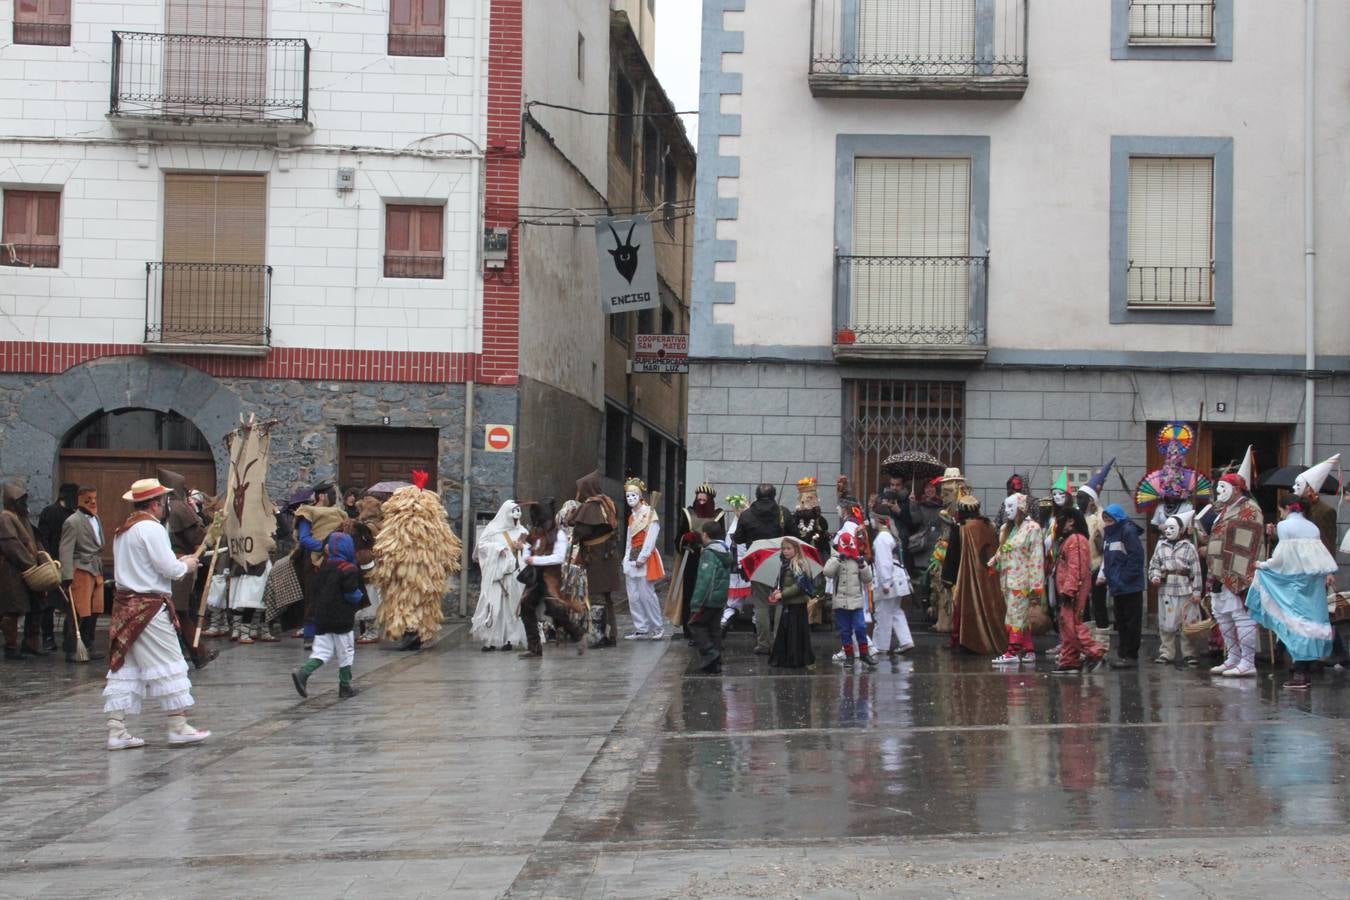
110	450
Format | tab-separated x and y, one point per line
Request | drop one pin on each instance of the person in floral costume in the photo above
1021	575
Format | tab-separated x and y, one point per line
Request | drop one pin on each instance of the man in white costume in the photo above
145	658
498	551
642	566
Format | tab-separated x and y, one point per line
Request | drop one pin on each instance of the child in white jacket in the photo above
890	585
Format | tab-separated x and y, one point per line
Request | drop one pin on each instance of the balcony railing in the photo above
34	256
46	34
1171	287
1166	23
414	267
918	48
416	44
199	77
911	306
205	304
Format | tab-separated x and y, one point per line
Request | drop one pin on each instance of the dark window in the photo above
417	28
619	326
137	429
667	320
42	22
581	56
651	162
646	321
615	424
623	120
672	192
412	241
32	229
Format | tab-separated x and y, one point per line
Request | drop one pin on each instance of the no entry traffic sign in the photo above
499	438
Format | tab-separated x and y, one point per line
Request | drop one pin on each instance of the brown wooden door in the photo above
372	455
113	471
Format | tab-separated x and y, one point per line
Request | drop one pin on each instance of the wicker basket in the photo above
44	576
1203	626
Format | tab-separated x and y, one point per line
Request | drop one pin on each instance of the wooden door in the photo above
113	471
371	455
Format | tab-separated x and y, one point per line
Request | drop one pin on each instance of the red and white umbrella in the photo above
762	562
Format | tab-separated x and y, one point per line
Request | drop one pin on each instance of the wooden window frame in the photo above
624	119
415	261
44	25
420	37
34	253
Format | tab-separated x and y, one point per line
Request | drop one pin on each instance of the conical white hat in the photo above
1245	470
1316	476
1185	517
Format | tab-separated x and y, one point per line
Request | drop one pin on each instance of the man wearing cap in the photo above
145	659
1233	550
81	554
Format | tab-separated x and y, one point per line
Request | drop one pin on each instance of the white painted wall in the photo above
326	248
1050	178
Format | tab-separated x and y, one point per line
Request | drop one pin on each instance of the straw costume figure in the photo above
416	554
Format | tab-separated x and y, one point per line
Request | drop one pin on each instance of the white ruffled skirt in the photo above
154	670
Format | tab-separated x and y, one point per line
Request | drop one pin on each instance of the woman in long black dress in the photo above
792	644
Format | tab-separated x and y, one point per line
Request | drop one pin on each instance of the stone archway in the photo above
51	408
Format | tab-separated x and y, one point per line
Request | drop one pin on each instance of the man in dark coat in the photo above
595	530
762	520
18	552
49	525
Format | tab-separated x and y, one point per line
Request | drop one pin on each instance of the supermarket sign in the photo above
667	354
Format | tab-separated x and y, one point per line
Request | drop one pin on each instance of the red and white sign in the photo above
665	353
499	438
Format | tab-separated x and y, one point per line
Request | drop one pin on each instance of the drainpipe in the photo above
1309	229
474	295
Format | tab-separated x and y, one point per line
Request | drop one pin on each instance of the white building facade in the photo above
270	206
1017	241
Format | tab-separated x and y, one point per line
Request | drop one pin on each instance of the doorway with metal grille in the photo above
885	416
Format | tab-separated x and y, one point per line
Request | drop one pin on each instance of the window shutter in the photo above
1171	229
28	12
47	218
401	18
919	209
58	12
413	243
899	36
18	215
432	18
398	231
429	231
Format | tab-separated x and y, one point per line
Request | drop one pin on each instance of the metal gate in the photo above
884	416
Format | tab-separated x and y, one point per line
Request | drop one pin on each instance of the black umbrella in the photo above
913	464
1284	476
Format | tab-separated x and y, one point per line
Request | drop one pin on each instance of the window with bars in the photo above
1171	23
885	416
32	229
45	22
910	270
413	245
417	28
918	36
1171	232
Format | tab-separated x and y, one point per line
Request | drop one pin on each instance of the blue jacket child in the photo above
336	592
1123	554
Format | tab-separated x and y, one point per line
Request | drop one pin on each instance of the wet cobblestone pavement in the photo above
624	774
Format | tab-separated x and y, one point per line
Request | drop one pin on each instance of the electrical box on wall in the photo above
496	247
346	178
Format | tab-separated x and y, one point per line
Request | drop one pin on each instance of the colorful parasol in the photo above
762	564
1178	484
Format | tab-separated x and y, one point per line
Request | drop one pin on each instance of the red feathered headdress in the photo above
420	478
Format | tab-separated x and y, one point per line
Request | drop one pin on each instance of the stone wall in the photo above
558	441
37	412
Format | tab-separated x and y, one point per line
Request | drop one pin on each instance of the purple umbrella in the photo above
385	489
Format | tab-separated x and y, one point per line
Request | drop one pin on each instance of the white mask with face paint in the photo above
1010	506
515	514
1224	491
633	498
1172	529
1059	497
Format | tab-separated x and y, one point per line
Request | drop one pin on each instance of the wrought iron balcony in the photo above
974	49
46	34
188	79
1154	23
1171	287
32	256
208	307
910	307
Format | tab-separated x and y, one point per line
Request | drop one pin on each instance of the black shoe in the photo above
298	678
602	642
201	657
1065	670
95	656
507	646
531	654
1191	662
49	644
32	651
411	641
1124	663
868	660
489	649
345	690
1093	665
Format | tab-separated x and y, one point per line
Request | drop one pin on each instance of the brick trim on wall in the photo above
501	288
305	363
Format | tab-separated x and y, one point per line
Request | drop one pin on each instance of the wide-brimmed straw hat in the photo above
952	475
146	489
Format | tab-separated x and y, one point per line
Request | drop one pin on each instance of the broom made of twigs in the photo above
206	590
81	651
